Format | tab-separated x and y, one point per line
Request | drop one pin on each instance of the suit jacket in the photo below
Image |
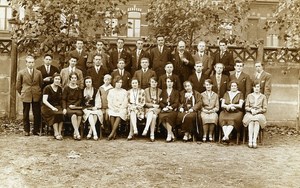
125	78
29	86
136	63
198	85
144	78
53	70
114	60
81	60
97	78
162	82
265	83
158	60
244	83
105	59
64	73
223	85
173	99
206	61
227	60
182	69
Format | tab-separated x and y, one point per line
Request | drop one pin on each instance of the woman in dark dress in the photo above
169	101
51	108
71	102
190	103
232	114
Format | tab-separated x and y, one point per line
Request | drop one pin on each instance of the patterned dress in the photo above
136	99
91	99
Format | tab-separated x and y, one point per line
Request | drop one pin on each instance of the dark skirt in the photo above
187	121
231	118
50	116
71	112
169	117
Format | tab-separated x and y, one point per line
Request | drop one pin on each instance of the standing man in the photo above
99	51
243	79
159	56
125	75
64	73
204	58
81	56
120	53
137	55
220	81
47	70
144	74
264	78
169	74
198	77
225	57
97	72
29	86
183	62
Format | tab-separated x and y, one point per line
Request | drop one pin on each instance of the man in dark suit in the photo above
159	56
220	81
97	72
144	74
137	55
119	53
29	86
183	62
81	56
99	51
198	78
169	73
125	75
264	78
47	70
204	58
225	57
243	79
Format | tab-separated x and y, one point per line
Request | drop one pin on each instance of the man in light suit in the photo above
225	57
169	73
97	72
29	86
64	73
159	56
47	70
264	78
99	51
125	75
137	55
144	74
220	81
183	62
243	79
198	77
119	53
204	58
81	56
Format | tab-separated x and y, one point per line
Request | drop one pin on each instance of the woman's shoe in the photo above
152	138
78	137
169	138
144	133
89	136
254	145
210	138
204	139
130	137
185	138
95	138
58	137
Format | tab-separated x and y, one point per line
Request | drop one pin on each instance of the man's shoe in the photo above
27	134
35	133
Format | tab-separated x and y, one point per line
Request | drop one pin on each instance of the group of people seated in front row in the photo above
209	97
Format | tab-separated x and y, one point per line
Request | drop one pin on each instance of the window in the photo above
4	15
134	24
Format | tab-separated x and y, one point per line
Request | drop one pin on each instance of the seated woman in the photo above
190	102
104	89
51	108
232	112
152	109
91	107
71	102
169	101
136	98
256	106
210	107
117	102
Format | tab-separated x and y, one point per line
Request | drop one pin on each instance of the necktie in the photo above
138	56
160	49
48	69
30	72
119	54
257	75
97	69
121	72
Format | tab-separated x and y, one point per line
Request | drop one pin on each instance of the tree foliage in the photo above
288	20
199	19
56	23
